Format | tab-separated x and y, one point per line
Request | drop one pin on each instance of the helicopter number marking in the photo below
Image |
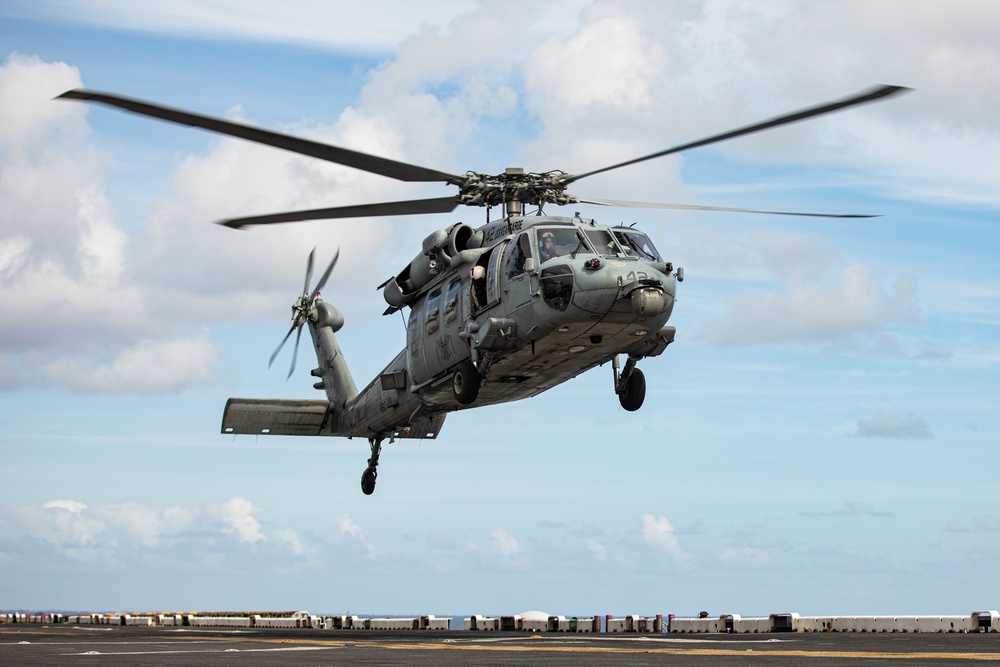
636	276
502	230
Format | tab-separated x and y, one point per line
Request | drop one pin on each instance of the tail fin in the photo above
336	380
323	320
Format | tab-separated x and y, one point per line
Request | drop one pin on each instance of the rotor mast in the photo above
513	207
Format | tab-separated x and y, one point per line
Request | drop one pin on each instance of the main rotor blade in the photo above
274	355
693	207
411	207
371	163
324	277
871	95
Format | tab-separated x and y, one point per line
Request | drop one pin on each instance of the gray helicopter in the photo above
497	313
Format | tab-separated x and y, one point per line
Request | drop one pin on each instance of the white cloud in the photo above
139	522
63	526
853	508
610	67
27	85
747	556
101	536
146	367
364	27
599	551
956	526
809	307
237	515
804	291
704	67
504	544
64	263
659	533
988	522
887	425
69	505
297	546
354	531
500	548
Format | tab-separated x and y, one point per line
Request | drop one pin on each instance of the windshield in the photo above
561	241
602	241
636	244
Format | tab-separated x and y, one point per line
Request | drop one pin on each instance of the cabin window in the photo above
559	242
557	286
433	308
451	301
517	254
636	244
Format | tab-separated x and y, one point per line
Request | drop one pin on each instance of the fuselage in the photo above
541	300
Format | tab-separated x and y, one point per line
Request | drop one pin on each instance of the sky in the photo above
821	438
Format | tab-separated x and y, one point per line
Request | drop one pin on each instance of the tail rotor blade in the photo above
325	276
274	355
302	308
309	271
295	352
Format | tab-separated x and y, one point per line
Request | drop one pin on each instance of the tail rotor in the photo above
304	308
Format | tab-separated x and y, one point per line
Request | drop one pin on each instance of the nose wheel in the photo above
635	391
630	384
371	472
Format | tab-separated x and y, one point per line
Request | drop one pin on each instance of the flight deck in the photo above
63	644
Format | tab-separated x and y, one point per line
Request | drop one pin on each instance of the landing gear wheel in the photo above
371	472
465	382
635	391
368	481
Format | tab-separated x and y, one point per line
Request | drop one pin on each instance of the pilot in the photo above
548	249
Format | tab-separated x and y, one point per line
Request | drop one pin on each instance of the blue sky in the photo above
821	438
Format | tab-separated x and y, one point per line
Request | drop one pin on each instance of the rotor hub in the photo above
514	185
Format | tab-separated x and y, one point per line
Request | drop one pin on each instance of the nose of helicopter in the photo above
624	290
647	301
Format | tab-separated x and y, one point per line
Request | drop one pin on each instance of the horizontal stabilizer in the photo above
273	416
279	416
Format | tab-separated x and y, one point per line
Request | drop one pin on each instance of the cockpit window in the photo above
602	241
636	244
554	243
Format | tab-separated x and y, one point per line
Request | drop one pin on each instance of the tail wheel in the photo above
465	382
635	391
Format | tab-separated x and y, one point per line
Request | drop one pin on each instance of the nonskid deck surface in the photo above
27	644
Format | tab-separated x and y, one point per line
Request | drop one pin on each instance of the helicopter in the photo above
497	313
